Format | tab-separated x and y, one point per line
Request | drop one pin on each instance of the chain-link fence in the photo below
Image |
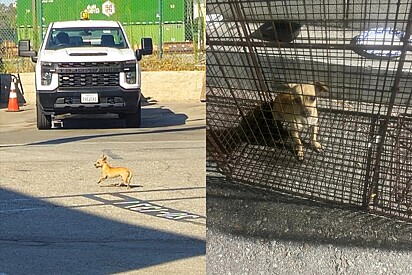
8	34
313	98
177	28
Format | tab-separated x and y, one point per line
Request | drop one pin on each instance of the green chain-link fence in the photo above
8	34
177	27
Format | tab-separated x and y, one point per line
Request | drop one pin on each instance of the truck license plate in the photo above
89	98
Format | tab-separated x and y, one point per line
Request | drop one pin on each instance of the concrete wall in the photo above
173	86
184	86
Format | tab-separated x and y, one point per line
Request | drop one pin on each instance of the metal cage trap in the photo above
360	50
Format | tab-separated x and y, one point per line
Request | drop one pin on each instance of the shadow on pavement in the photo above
152	117
87	137
243	210
37	237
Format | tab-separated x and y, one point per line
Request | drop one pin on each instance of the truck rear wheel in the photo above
43	121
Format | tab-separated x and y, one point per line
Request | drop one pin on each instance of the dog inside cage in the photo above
314	99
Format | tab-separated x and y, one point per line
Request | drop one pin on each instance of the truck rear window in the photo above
86	37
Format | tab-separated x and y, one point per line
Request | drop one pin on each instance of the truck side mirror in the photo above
146	48
25	51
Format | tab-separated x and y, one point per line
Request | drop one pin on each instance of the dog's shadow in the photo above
131	186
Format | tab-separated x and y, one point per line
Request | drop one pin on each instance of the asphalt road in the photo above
254	231
56	219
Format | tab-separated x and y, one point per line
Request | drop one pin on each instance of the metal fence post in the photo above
34	23
160	29
39	15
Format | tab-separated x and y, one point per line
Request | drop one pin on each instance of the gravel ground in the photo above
254	231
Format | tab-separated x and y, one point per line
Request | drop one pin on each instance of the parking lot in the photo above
56	219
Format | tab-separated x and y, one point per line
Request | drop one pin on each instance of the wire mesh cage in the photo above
313	98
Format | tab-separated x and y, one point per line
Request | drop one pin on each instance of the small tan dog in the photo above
113	172
299	109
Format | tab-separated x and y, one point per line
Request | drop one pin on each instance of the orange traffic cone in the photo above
13	105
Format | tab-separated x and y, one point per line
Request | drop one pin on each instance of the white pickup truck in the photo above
87	67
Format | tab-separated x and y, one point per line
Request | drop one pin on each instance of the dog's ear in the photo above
321	87
104	157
